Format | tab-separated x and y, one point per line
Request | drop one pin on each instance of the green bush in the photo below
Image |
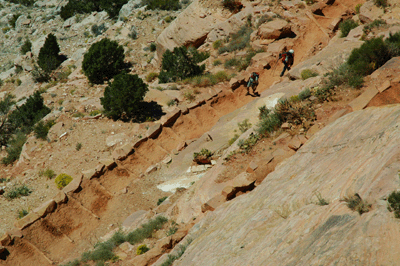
304	94
142	249
14	148
394	203
74	7
13	19
98	29
357	8
62	180
153	47
238	40
123	97
308	73
381	3
49	58
47	173
371	55
18	191
41	129
374	24
355	203
179	64
162	4
232	5
146	230
22	213
103	61
202	157
346	26
161	200
151	76
23	2
217	44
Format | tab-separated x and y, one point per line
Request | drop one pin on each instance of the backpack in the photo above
255	75
287	57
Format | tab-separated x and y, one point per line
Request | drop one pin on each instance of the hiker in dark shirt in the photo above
287	60
253	83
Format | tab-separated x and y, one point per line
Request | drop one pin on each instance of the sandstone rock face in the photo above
357	153
191	27
126	10
369	12
273	29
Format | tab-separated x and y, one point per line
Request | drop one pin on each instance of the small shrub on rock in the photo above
14	148
103	61
346	26
151	76
355	203
26	47
41	129
62	180
161	200
381	3
162	4
394	203
18	191
142	249
202	157
233	5
308	73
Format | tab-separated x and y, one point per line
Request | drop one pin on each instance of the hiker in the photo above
287	60
253	83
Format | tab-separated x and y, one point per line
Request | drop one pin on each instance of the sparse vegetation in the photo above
26	47
14	148
13	19
98	29
78	146
245	145
202	157
162	4
357	8
394	203
22	213
381	3
238	40
181	250
304	94
217	44
308	73
18	191
321	200
355	203
346	26
49	173
151	76
41	129
374	24
62	180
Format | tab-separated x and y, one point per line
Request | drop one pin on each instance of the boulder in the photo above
273	29
154	131
46	208
369	12
5	240
170	118
60	198
127	9
74	185
116	139
27	220
122	152
191	27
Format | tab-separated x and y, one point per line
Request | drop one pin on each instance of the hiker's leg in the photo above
284	69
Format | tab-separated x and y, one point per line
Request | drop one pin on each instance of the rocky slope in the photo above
138	163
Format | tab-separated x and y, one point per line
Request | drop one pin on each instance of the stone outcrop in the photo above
191	27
